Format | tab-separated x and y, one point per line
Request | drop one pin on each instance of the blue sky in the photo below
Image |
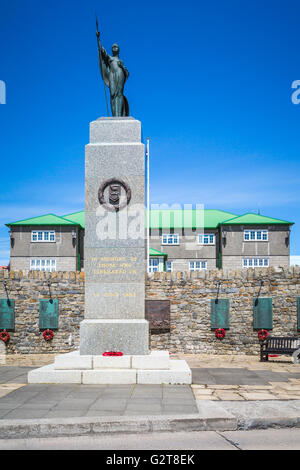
210	81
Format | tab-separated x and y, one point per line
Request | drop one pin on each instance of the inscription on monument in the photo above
114	265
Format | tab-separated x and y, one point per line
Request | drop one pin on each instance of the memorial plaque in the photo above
157	312
220	313
7	314
48	314
262	313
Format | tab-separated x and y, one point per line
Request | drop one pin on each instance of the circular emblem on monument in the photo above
114	194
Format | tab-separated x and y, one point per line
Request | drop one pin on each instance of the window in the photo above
206	239
255	263
197	265
169	266
255	235
170	239
43	264
43	236
153	265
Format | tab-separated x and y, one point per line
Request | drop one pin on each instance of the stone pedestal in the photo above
114	264
153	368
114	251
127	336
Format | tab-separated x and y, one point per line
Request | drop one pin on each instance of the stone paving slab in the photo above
241	384
11	374
263	414
66	400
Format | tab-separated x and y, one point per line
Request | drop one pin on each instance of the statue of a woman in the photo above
114	74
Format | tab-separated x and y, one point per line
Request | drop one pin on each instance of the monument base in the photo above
129	336
154	368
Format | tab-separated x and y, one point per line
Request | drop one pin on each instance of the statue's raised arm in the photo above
104	56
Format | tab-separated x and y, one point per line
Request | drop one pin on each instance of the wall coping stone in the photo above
245	274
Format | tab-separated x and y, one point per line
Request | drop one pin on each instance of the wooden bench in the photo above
278	345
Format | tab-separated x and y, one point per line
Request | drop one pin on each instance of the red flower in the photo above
48	335
4	336
220	333
112	353
262	334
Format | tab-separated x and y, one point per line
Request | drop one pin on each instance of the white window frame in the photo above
170	269
170	239
202	237
255	263
43	264
253	235
198	265
153	267
39	236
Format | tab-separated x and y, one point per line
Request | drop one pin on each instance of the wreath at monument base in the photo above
262	334
112	353
48	335
220	333
4	336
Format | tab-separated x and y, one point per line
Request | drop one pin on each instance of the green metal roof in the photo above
77	217
254	219
47	219
153	252
190	218
166	219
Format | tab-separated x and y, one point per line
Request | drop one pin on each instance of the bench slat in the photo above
280	345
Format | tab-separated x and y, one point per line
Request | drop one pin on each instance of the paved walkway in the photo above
228	393
243	378
65	401
215	377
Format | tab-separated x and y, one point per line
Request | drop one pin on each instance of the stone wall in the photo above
27	289
189	294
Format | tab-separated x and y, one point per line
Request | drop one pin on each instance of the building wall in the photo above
276	249
236	262
188	248
190	296
63	263
64	249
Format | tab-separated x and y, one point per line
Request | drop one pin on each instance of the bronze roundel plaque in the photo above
113	200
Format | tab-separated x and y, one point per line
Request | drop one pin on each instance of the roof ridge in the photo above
72	213
39	216
258	215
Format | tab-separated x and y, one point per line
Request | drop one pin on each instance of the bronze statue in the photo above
114	74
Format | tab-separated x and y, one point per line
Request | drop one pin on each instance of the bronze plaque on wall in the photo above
157	312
